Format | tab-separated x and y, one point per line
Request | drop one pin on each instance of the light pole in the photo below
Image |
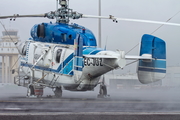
99	41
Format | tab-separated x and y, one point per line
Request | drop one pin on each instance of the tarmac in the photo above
129	104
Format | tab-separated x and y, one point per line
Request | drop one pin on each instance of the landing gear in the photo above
58	92
30	91
102	91
34	91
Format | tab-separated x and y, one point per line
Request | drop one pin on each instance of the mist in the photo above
150	99
121	35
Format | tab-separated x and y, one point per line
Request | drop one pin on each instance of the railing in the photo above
21	81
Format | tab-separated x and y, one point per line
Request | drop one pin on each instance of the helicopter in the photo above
62	55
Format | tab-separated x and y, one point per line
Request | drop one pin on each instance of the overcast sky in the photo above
122	35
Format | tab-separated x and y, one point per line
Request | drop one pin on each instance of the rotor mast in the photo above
64	13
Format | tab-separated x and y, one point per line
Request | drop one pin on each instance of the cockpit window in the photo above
58	55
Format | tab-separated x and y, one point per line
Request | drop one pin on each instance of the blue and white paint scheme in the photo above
68	56
62	55
155	69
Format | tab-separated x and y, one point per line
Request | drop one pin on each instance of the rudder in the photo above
152	70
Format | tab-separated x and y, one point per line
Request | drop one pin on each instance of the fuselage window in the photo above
58	55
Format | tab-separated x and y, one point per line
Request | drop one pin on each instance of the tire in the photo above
30	91
104	90
58	92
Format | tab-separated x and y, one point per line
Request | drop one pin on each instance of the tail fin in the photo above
152	70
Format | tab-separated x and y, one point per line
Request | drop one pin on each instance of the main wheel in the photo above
58	92
102	91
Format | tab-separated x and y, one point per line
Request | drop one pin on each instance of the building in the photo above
130	81
172	76
9	54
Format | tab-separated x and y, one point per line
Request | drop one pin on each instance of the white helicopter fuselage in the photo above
79	68
53	65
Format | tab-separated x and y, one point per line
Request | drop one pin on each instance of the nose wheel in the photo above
30	91
34	91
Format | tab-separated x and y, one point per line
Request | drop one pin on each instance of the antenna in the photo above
106	43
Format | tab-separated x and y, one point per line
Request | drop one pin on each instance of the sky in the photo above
122	35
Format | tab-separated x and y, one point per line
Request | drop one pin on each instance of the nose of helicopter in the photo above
21	46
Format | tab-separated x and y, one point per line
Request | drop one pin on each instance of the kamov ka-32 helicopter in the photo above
62	55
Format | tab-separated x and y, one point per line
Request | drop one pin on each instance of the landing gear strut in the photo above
30	91
103	90
58	92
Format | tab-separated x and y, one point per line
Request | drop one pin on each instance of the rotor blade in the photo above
93	16
147	21
19	16
126	19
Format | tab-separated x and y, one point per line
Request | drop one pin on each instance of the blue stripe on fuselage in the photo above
67	63
88	51
67	66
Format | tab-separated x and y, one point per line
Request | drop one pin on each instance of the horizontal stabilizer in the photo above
99	56
152	70
143	57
